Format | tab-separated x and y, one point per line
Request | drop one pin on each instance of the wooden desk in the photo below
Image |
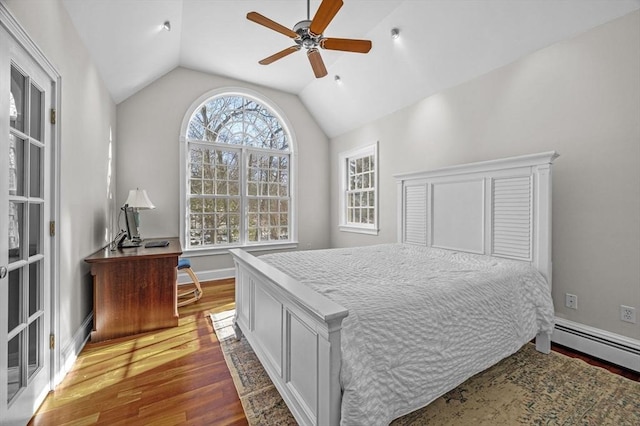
134	289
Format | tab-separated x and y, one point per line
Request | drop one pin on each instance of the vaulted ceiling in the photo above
442	43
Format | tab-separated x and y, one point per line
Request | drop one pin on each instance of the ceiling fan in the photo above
308	34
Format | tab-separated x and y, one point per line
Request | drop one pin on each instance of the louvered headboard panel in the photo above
512	214
415	229
498	208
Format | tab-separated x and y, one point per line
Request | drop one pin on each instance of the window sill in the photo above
213	251
358	229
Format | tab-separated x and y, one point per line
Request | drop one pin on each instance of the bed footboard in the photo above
295	332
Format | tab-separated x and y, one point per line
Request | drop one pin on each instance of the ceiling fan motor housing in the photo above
306	38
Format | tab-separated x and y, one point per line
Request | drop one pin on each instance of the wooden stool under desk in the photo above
196	292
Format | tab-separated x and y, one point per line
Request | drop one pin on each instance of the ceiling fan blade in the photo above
281	54
346	44
263	20
324	15
316	63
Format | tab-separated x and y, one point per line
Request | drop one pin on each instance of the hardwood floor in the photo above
629	374
176	376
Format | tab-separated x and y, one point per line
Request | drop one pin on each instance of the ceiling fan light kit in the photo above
308	34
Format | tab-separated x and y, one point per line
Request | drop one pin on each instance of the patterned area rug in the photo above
527	388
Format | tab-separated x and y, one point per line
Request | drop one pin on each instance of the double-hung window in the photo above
238	175
359	190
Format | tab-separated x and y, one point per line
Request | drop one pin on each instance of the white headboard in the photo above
497	208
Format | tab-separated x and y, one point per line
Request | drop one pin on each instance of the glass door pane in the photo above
16	163
15	307
35	116
35	288
17	100
35	229
15	230
34	361
35	166
14	378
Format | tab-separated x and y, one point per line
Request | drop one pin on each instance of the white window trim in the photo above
363	151
292	243
208	251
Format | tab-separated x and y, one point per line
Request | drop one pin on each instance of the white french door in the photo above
26	96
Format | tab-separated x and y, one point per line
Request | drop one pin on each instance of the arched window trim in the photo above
277	112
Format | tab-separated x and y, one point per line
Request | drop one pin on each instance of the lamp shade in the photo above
138	199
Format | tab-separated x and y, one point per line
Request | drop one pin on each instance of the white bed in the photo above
337	356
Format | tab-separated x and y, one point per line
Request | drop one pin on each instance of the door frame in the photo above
13	27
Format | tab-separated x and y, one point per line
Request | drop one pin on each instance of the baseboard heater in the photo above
607	346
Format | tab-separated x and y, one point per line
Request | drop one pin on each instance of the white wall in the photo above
86	120
149	146
580	97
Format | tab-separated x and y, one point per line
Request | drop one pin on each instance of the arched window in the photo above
238	174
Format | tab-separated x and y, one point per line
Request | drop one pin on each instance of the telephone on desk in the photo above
122	241
125	242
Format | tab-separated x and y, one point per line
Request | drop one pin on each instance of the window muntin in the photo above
238	175
359	199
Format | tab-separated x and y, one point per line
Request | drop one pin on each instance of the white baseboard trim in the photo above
72	349
611	347
217	274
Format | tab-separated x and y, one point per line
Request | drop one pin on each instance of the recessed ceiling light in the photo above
395	33
337	79
166	26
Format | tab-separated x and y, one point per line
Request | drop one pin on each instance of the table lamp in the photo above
138	200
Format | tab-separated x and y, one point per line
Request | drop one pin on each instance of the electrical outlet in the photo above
571	301
627	314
